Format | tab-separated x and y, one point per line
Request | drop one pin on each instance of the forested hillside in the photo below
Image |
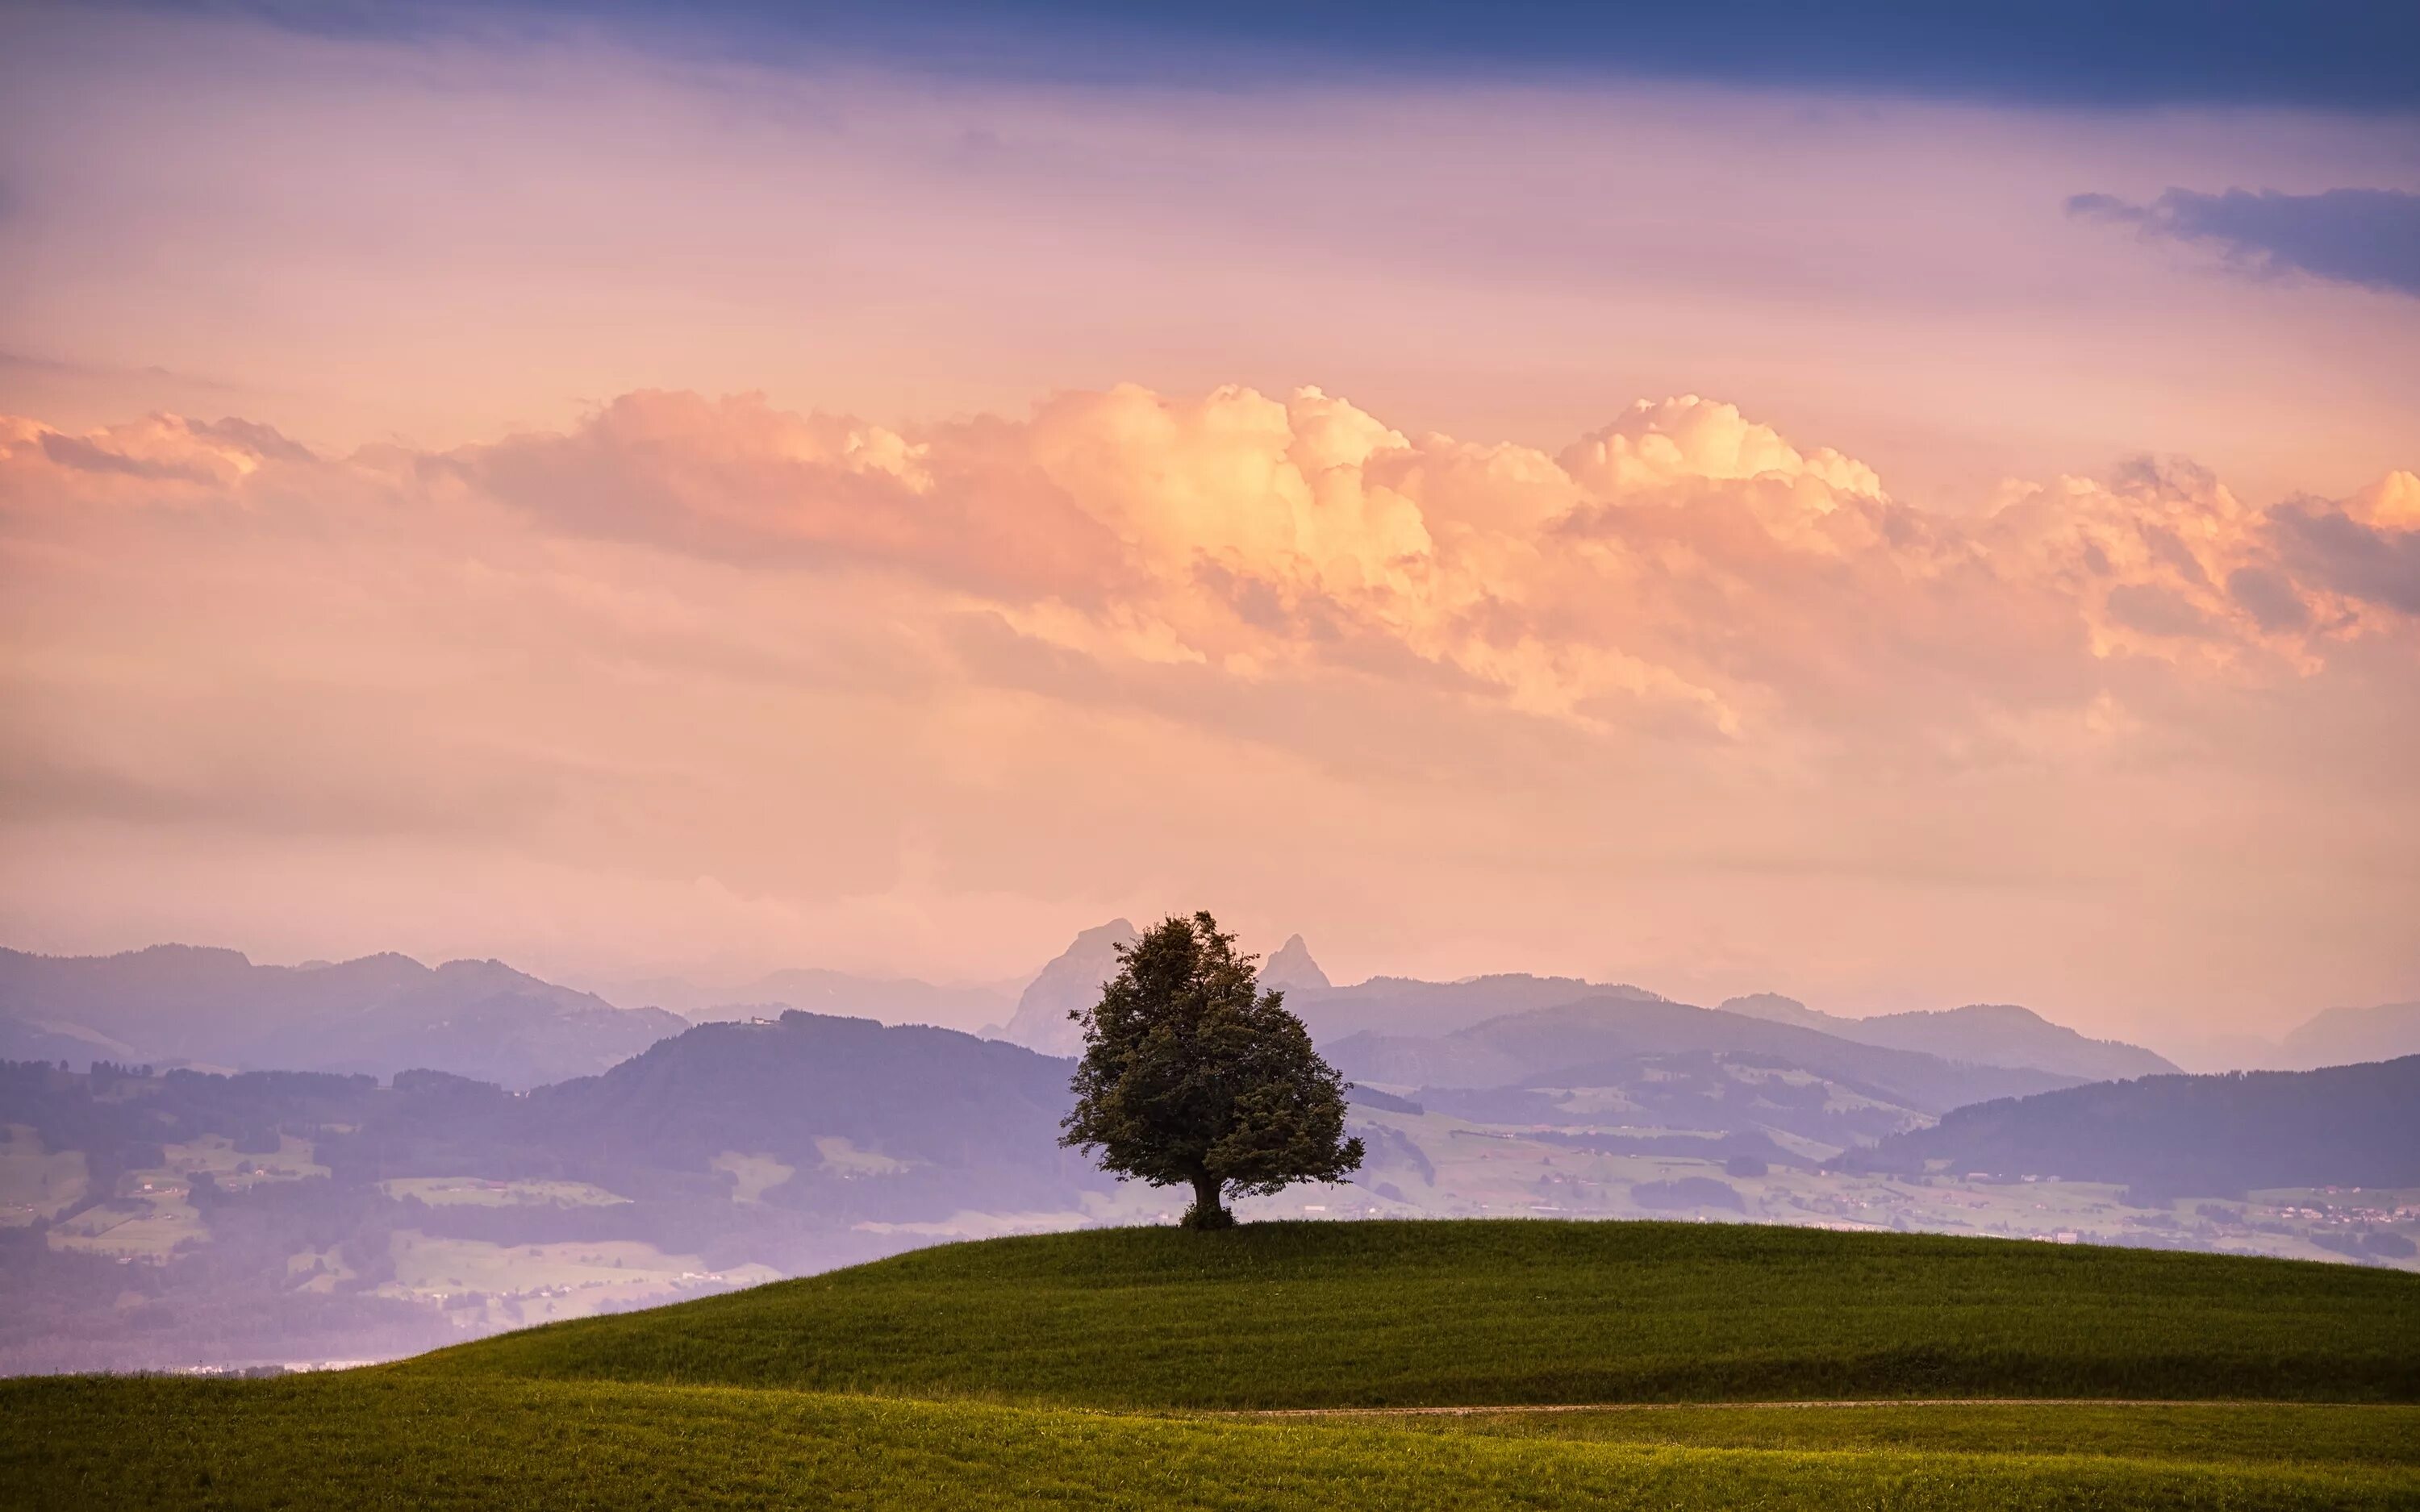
2219	1135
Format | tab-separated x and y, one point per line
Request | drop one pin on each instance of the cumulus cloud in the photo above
2269	596
1683	563
1127	640
2367	550
210	455
2366	237
737	479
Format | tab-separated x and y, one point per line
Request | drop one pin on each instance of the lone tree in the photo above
1192	1075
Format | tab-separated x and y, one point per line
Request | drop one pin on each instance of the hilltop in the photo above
1072	1370
1426	1312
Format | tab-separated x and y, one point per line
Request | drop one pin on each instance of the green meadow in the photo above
1153	1367
1478	1312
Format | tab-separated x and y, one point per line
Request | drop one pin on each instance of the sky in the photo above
1913	510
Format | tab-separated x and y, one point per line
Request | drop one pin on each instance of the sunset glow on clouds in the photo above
529	495
707	667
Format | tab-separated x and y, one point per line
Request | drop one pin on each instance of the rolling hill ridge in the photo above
1980	1034
185	1005
2216	1135
1539	1046
1426	1314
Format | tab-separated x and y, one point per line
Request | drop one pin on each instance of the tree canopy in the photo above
1193	1075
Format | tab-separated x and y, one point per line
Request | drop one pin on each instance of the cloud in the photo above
2269	596
205	456
2155	611
86	456
1684	563
262	440
2368	549
2364	236
738	480
1685	684
1460	247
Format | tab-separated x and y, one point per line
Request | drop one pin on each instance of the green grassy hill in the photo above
1085	1369
1404	1314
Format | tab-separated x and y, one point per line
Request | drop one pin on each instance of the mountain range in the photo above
949	1120
1401	1008
819	990
185	1005
2214	1135
1580	1043
1402	1005
1071	982
1981	1034
153	1219
2343	1035
150	1220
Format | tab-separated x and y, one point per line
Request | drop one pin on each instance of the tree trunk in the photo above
1206	1211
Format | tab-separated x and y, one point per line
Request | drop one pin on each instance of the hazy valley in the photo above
274	1165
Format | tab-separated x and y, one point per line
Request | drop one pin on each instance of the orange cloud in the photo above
843	670
1682	555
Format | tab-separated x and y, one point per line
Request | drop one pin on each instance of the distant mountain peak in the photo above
2342	1035
2006	1012
1762	1001
1291	968
174	954
1071	982
1775	1009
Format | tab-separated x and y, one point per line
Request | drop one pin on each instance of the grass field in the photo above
35	1183
293	1160
379	1438
1078	1371
2301	1434
1379	1314
145	1227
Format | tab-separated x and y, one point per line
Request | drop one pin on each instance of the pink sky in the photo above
544	503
